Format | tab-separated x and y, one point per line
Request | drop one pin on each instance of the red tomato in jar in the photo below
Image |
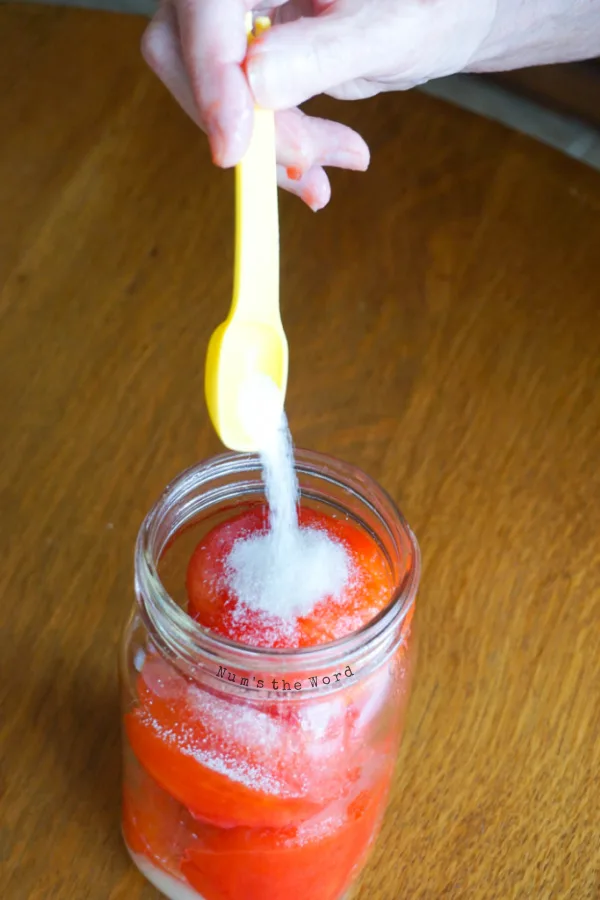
317	859
230	763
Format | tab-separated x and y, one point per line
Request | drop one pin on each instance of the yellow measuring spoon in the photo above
251	342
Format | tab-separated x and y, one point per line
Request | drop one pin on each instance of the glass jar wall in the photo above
252	773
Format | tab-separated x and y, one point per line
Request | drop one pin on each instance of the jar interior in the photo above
195	511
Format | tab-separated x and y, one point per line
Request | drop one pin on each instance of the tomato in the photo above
228	763
316	860
213	604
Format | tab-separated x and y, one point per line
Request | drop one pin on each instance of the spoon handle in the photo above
256	266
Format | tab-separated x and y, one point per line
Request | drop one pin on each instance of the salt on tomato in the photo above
213	604
229	764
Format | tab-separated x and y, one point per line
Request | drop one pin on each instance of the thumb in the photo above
298	60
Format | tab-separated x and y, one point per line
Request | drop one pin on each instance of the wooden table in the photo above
444	320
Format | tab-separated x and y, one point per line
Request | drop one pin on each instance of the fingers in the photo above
214	44
298	60
313	187
161	50
304	142
196	47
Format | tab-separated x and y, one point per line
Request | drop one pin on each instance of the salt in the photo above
170	887
287	571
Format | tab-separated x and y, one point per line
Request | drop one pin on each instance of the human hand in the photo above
348	49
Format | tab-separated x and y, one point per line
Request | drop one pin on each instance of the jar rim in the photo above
185	637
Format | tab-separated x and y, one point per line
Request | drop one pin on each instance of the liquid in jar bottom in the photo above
167	885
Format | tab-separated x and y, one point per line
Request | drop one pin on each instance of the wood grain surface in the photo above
444	322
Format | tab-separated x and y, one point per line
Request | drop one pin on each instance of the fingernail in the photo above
294	173
311	199
217	145
223	148
216	138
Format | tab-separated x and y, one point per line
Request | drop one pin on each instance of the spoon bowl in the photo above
239	351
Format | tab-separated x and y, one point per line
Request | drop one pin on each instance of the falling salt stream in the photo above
287	571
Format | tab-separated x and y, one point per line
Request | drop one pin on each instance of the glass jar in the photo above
254	774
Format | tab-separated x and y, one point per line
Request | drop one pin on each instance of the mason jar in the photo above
253	773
